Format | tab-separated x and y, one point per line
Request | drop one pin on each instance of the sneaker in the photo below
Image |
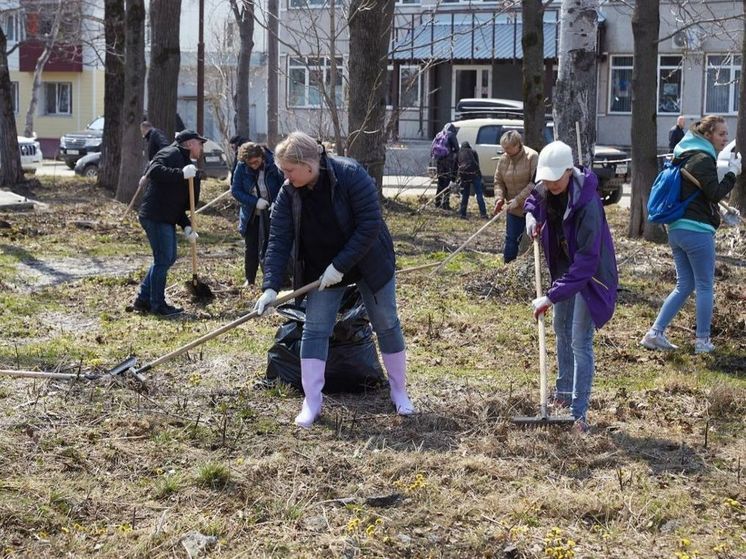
657	340
141	305
248	283
581	426
703	345
167	310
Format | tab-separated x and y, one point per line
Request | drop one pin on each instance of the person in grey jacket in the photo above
328	215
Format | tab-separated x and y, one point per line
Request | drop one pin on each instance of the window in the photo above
410	81
14	96
721	91
620	84
400	2
12	27
58	98
669	84
307	3
490	134
308	78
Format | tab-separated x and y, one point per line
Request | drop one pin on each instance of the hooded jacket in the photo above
468	163
699	173
368	244
245	188
593	270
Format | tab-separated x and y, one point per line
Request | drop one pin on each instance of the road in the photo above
393	185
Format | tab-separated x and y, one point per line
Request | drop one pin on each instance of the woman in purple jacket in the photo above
566	212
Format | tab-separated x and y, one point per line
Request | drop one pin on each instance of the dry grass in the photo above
107	471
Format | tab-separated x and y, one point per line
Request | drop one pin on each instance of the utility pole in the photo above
201	70
272	70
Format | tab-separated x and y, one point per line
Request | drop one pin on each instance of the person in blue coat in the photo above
255	185
328	218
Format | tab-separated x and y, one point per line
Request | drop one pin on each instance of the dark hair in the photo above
706	125
250	150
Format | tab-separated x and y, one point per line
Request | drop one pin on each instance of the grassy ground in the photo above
92	469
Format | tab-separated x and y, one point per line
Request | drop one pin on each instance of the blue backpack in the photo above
664	204
439	148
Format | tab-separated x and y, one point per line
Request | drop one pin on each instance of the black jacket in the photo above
699	172
166	198
674	136
156	142
468	164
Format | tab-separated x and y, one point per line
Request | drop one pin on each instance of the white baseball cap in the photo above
554	160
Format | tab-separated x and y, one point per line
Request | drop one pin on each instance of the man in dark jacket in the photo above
155	138
676	133
164	205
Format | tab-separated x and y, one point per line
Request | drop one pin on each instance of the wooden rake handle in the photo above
193	219
470	239
230	326
542	333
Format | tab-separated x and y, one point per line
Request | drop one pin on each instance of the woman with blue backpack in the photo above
692	237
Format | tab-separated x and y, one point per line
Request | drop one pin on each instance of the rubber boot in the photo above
312	377
396	368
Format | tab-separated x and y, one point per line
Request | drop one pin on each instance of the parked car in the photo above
216	165
75	145
609	163
724	157
31	154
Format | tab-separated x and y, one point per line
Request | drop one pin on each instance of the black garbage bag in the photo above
352	364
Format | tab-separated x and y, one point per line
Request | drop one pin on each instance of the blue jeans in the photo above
162	238
478	190
514	226
321	314
574	330
694	257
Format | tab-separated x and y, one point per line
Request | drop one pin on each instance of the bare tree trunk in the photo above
49	43
245	21
645	29
575	94
111	145
532	42
370	23
10	156
272	71
134	85
738	196
165	60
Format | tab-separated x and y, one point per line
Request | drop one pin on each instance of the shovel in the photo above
543	418
128	365
199	290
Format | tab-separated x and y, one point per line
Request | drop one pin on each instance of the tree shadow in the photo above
661	455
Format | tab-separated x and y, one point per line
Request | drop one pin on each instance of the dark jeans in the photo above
514	226
446	175
466	187
162	238
255	238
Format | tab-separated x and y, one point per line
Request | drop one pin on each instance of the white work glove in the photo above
190	171
331	276
266	299
540	305
533	229
190	234
734	164
262	204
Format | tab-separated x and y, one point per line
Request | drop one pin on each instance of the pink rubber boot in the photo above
396	368
312	377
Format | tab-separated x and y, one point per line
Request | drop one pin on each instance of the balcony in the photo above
64	58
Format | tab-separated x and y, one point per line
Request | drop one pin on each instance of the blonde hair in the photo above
706	125
299	149
511	138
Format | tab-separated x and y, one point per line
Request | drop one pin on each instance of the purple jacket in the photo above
592	271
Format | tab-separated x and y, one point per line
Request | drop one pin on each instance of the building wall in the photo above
705	39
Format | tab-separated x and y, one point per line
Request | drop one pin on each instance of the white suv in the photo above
31	155
609	164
